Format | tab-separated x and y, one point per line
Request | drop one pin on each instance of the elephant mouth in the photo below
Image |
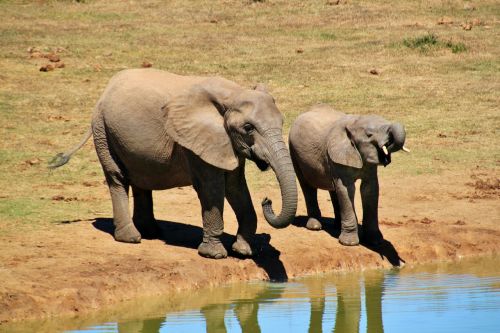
261	164
384	159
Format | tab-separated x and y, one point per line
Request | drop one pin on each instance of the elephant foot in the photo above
313	224
349	238
242	247
212	249
372	237
127	234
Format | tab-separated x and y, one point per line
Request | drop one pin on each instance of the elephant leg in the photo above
125	230
345	190
144	219
336	209
311	199
238	196
369	199
310	195
209	183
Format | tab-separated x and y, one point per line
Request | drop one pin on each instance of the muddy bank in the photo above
76	267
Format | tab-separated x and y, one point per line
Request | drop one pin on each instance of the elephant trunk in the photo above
398	135
281	163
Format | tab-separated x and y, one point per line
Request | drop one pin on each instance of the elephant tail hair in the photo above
63	158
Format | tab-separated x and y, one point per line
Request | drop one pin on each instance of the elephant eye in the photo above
248	128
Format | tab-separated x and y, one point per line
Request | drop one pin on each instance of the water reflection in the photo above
436	298
349	294
242	315
142	326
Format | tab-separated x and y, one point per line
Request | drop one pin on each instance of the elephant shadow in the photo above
385	249
266	256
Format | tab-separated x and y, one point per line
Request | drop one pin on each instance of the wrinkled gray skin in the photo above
330	150
154	130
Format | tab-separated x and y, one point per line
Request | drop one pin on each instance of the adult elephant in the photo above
155	130
330	150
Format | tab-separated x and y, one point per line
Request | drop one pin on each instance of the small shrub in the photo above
420	42
456	47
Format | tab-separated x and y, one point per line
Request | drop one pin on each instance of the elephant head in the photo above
356	140
222	122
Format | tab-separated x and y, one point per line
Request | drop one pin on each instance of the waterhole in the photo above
453	297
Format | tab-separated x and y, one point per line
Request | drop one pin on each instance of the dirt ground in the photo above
75	267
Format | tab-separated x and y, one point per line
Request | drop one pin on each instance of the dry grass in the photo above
305	51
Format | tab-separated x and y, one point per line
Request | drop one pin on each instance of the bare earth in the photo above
74	267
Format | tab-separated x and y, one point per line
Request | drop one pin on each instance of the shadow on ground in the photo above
179	234
385	249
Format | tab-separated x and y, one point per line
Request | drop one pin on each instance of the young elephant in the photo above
330	150
155	130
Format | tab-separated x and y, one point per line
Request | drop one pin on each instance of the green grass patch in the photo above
19	209
327	36
430	41
455	47
421	42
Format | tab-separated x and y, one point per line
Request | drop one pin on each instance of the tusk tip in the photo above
384	149
406	149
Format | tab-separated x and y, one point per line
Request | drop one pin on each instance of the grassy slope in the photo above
448	101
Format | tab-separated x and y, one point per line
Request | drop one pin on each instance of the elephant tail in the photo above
63	158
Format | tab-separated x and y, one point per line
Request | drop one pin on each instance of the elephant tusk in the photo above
384	149
406	149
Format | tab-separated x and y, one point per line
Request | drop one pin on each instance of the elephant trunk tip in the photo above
399	135
270	216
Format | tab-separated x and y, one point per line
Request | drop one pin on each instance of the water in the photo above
463	297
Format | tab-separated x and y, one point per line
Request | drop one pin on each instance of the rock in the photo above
299	51
33	161
47	68
374	71
53	57
146	64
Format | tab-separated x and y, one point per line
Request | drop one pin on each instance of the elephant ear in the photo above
195	120
342	149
